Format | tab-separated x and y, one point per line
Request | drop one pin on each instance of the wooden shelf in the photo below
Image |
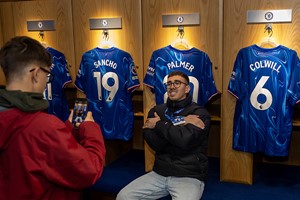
139	114
215	118
296	122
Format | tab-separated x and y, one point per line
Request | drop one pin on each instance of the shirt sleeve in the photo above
65	74
235	84
64	161
208	86
150	78
294	87
80	82
133	81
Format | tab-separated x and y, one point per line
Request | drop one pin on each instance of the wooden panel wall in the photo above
1	32
2	78
207	37
237	166
129	38
7	23
16	15
5	10
142	33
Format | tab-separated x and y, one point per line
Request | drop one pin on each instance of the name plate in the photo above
181	19
105	23
41	25
269	16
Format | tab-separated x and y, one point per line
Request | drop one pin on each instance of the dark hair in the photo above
179	73
21	51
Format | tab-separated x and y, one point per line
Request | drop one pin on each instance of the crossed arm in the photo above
190	119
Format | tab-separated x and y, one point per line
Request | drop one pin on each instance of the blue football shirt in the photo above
54	92
266	83
108	78
193	62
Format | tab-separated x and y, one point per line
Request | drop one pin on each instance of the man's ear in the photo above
34	75
187	89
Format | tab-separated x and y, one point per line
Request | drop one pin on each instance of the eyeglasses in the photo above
50	75
176	84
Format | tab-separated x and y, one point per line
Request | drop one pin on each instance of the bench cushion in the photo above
119	173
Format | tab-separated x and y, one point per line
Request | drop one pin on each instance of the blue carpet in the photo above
271	181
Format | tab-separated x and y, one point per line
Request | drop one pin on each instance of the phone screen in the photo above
80	111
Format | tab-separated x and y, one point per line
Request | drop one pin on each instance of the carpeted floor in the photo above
271	181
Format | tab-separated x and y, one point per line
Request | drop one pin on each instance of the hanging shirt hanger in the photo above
268	42
44	44
106	42
42	36
181	44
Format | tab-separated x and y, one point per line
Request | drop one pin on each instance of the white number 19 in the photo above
112	89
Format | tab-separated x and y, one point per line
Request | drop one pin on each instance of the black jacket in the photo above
180	150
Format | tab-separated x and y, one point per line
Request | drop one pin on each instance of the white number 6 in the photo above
263	91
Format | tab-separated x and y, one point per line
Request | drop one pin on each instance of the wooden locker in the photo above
16	14
238	166
206	37
129	38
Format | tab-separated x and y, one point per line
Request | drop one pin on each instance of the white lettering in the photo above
181	64
106	62
265	64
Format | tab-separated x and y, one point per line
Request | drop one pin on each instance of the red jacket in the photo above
40	159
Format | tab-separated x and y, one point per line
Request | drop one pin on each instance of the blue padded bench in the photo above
119	173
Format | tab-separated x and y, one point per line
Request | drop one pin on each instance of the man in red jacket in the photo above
39	156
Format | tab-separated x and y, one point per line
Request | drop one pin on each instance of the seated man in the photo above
178	132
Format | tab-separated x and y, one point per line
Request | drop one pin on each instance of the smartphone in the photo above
80	111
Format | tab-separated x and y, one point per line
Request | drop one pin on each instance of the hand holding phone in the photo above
89	117
80	111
